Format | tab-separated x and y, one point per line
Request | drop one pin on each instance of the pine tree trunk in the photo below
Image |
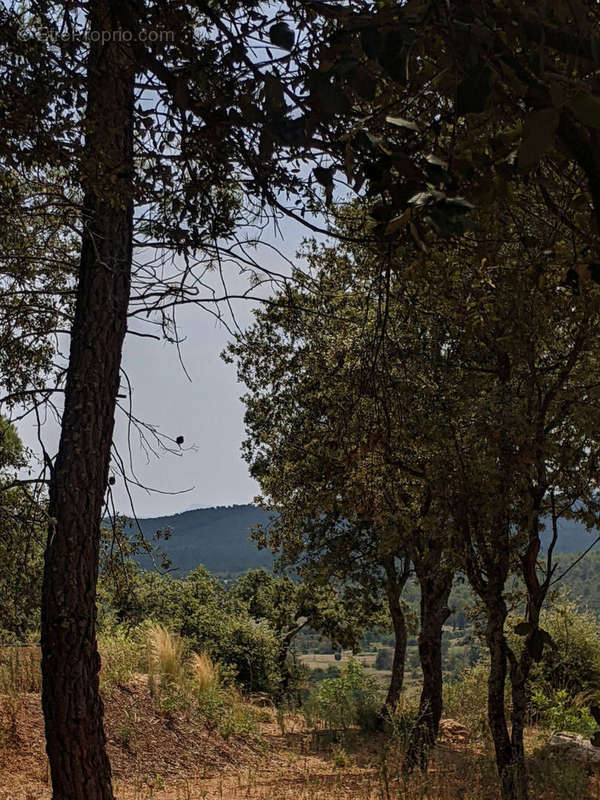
72	705
436	584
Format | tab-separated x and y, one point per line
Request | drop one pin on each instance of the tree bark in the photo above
75	739
436	584
394	585
510	761
519	674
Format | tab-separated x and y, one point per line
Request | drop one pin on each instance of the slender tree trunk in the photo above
75	738
510	763
436	584
398	664
395	581
519	672
520	668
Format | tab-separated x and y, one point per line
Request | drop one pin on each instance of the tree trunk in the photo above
395	581
510	763
518	677
72	705
436	584
401	637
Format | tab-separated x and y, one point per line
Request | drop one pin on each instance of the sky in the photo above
206	410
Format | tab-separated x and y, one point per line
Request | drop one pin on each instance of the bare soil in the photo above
171	757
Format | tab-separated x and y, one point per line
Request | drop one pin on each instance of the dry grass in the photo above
20	669
165	654
178	758
204	673
181	756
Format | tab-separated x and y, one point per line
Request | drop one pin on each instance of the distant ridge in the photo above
218	538
572	537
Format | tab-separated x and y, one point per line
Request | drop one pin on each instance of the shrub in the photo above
350	699
573	663
560	711
251	649
466	698
120	658
165	653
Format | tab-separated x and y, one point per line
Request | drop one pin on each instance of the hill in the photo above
217	537
572	537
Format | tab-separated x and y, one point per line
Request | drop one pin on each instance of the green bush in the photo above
198	609
466	698
251	649
573	663
561	712
121	656
348	700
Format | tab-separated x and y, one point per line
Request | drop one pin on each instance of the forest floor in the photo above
170	757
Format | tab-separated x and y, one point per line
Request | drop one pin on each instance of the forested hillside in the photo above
218	538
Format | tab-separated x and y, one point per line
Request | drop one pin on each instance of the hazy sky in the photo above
206	411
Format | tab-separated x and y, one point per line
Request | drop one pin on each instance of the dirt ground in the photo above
174	758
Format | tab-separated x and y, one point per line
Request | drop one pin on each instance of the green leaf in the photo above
538	137
458	205
427	198
586	108
282	36
400	122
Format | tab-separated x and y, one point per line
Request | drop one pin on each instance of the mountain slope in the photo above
218	538
215	537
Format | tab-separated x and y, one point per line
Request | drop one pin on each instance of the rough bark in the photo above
519	673
436	584
75	739
510	762
394	585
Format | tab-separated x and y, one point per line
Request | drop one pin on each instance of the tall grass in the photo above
204	673
121	657
165	653
20	669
